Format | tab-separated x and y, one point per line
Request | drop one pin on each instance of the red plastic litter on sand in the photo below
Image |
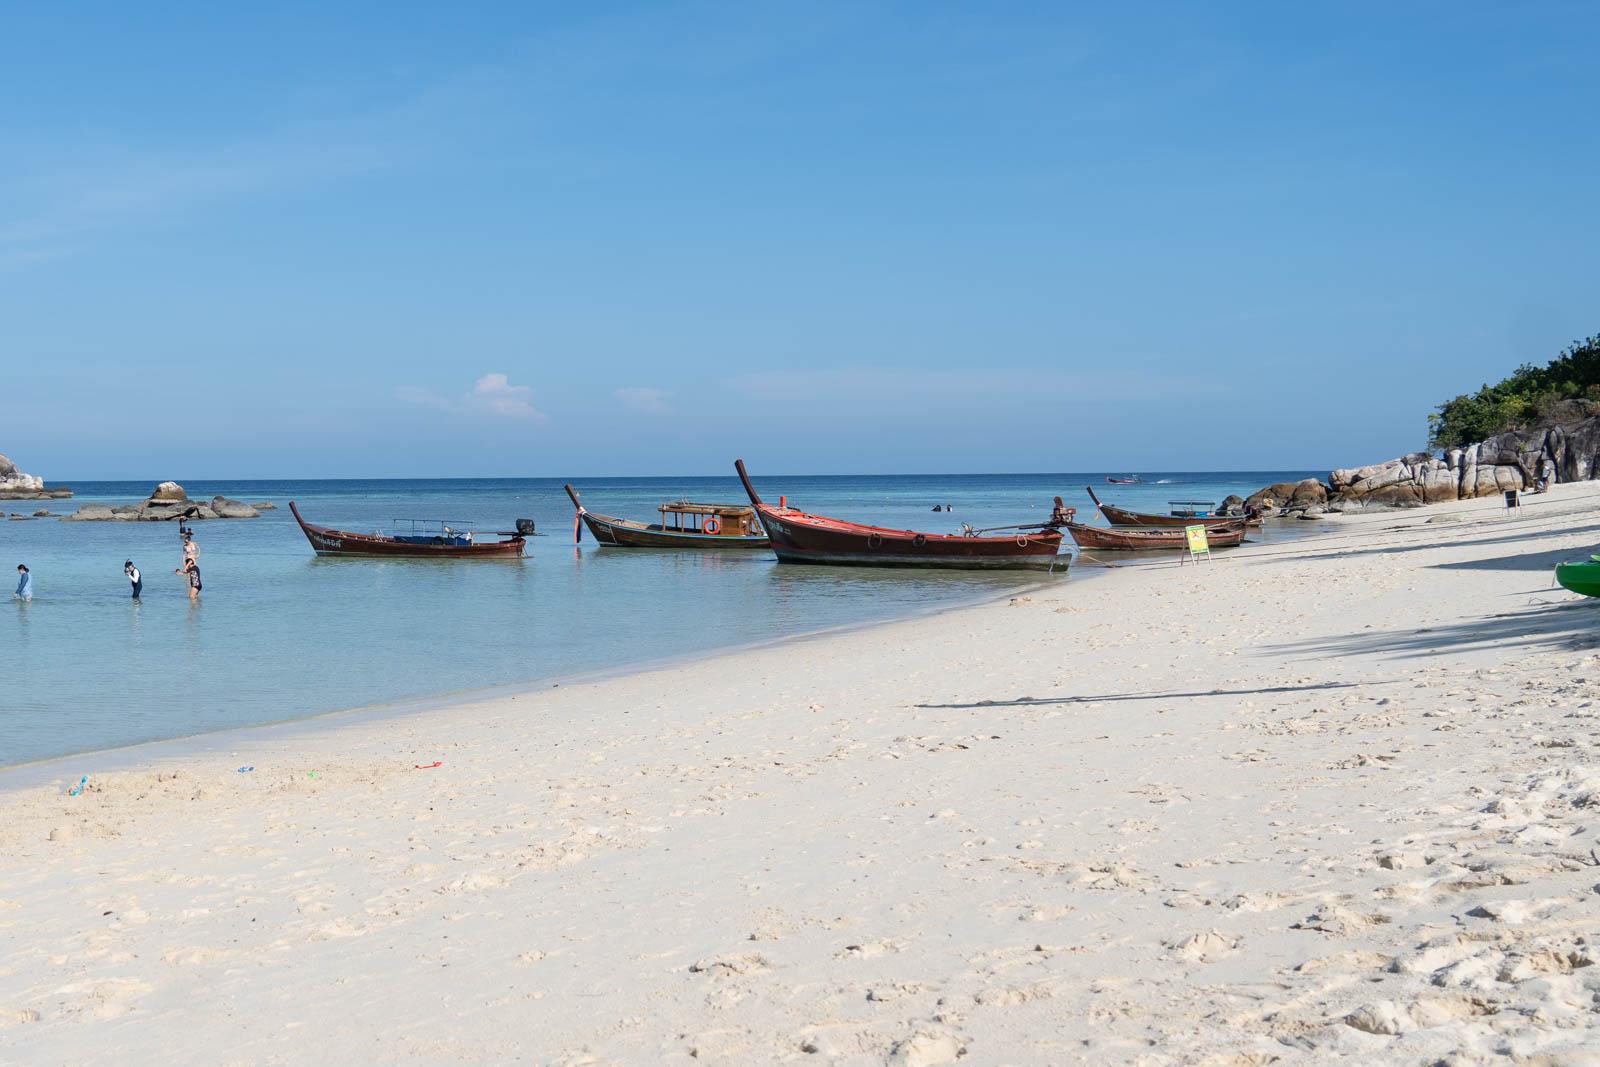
430	766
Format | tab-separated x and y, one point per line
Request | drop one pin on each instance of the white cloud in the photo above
643	398
492	394
495	394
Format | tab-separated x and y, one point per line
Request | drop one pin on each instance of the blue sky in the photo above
642	239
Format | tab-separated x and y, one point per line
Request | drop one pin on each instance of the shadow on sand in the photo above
1519	538
1521	561
1572	625
1026	702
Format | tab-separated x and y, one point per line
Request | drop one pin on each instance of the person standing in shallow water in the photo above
24	583
135	577
191	551
192	569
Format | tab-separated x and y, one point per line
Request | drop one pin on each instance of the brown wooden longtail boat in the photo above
424	539
1123	517
1125	539
696	526
799	537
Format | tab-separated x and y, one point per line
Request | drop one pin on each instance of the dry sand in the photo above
1334	801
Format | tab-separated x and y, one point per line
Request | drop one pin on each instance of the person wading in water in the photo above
135	577
191	551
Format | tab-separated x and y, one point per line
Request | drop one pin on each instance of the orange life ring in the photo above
711	525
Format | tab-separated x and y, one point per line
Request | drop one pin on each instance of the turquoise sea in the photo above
279	633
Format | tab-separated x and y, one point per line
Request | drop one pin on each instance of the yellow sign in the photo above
1197	540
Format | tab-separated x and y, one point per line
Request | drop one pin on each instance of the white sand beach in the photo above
1332	800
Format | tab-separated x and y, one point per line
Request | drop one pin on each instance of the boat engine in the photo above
525	527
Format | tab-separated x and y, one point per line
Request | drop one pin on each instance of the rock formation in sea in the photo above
1506	461
15	485
168	501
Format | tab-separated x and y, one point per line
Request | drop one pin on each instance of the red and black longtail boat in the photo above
800	537
1123	517
423	539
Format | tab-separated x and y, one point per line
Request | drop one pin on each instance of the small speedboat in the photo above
1582	578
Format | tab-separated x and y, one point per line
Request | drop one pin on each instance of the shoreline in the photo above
1324	801
128	757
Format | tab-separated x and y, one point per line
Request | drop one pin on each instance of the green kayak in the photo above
1581	578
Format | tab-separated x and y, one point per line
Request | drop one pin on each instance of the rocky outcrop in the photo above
1289	496
233	509
169	501
1508	461
15	485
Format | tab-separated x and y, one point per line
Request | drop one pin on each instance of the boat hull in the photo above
1131	540
1580	578
326	541
619	533
1123	517
798	537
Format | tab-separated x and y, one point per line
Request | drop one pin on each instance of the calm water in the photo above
281	634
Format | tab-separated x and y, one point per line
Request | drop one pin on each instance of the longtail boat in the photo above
698	526
1123	517
418	539
1131	479
800	537
1130	540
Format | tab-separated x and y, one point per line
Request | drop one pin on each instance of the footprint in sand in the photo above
741	963
925	1049
868	950
1203	947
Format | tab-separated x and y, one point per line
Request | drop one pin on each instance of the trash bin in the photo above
1511	498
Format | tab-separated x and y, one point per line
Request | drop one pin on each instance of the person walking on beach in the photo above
24	583
135	577
192	569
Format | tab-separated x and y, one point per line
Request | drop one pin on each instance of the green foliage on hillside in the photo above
1525	399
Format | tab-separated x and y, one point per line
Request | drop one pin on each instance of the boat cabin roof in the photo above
420	526
685	507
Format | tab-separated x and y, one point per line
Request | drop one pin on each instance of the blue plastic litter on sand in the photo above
242	770
75	790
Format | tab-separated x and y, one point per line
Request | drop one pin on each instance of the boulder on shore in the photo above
168	491
1308	492
1569	448
15	485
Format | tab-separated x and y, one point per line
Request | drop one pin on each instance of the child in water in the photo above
24	583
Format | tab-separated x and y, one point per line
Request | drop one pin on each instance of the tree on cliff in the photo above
1527	398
